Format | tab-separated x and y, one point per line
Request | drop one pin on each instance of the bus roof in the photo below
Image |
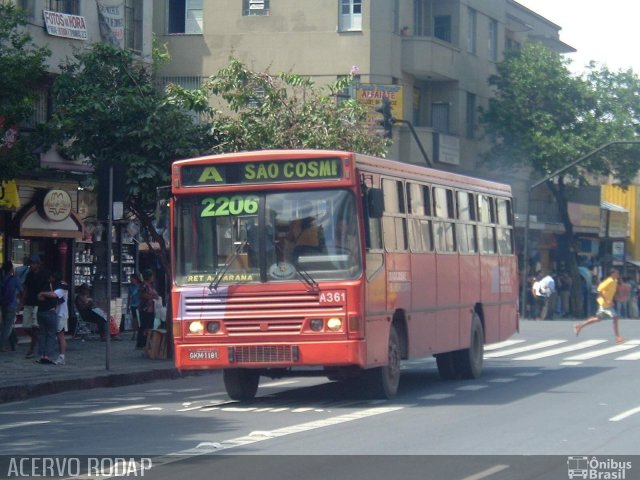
364	162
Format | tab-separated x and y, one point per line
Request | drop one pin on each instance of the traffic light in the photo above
387	118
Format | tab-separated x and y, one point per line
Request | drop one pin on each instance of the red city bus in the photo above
340	262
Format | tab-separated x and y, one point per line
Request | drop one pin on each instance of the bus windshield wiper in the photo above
306	277
220	273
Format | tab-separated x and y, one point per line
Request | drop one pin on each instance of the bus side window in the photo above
486	232
394	223
504	233
444	233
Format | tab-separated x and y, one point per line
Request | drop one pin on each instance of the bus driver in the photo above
304	236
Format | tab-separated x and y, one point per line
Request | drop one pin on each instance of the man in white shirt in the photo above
542	291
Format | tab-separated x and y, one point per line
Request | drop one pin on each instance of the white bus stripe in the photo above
535	346
560	350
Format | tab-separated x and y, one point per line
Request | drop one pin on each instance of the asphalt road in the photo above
544	397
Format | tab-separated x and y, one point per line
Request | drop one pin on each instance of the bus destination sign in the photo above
261	172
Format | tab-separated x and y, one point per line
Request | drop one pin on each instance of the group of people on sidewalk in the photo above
43	297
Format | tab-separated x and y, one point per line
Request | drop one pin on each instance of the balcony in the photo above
430	58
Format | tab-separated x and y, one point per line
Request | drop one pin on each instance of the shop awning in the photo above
33	225
612	207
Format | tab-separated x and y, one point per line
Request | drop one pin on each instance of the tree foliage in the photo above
23	67
544	118
257	110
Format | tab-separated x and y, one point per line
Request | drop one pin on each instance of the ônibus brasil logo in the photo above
595	468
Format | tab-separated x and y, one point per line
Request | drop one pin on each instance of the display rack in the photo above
84	263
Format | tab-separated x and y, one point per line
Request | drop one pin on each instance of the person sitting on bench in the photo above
87	310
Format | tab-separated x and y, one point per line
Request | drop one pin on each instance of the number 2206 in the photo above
225	206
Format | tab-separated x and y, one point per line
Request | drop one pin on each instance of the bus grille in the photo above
262	354
245	314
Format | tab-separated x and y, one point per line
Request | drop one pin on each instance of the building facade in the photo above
432	58
52	214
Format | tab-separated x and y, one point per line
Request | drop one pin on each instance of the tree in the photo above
111	111
284	111
543	118
23	67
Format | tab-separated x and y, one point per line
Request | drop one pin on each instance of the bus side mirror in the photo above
375	202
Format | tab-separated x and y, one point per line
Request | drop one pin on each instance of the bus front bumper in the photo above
269	355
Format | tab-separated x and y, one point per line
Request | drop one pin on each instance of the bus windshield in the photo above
266	237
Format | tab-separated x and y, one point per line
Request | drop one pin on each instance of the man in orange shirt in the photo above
606	293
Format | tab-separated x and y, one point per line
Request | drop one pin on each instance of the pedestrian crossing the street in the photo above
567	352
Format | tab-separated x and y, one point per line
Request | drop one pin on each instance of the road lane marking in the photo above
527	348
630	356
561	350
506	343
601	352
278	384
623	415
113	410
23	424
472	388
437	396
486	473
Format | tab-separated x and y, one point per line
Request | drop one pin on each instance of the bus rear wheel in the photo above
240	383
469	360
446	363
383	382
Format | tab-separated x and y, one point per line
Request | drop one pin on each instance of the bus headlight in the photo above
213	327
334	324
316	324
196	327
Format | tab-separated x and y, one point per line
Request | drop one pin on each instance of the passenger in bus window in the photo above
253	241
305	236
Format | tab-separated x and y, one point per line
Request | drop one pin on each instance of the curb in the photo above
24	392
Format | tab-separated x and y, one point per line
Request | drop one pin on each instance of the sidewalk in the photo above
22	378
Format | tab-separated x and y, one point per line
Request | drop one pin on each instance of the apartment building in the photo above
436	54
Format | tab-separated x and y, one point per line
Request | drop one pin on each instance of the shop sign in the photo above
56	205
65	25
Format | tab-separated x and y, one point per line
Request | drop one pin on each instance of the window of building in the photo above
133	25
420	19
71	7
350	15
440	117
189	83
28	6
396	16
471	31
442	27
493	40
41	109
471	115
185	16
255	7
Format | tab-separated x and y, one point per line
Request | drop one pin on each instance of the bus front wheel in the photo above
383	382
241	384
